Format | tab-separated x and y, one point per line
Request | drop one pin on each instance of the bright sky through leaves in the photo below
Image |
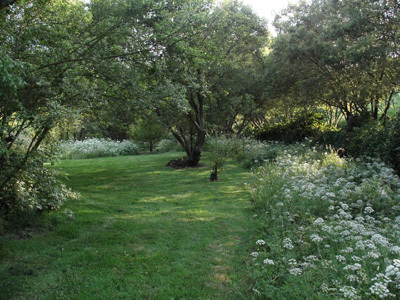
268	8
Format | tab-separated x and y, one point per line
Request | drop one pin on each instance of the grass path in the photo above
141	231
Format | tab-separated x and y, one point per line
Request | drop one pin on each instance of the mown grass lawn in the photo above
141	231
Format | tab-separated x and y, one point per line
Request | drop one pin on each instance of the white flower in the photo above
255	254
318	222
287	243
347	250
344	206
295	271
354	267
312	258
260	242
380	240
316	238
341	258
269	262
368	210
352	278
380	290
395	249
374	255
349	292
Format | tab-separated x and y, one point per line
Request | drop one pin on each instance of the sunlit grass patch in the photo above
140	230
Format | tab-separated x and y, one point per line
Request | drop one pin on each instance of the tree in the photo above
35	38
201	43
118	59
148	130
343	54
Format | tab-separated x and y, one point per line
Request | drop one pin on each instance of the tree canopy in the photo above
344	54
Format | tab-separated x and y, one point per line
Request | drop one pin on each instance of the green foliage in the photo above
148	131
32	191
303	125
331	136
336	53
370	139
37	39
393	145
249	152
221	148
198	82
169	144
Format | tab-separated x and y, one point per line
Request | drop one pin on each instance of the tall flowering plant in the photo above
330	227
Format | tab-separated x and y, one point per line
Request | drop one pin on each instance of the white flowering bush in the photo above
34	190
330	227
93	147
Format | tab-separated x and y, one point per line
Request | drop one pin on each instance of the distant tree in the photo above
149	131
343	54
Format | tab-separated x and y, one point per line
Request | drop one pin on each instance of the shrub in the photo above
303	125
32	191
392	153
368	140
372	139
331	136
329	227
168	145
221	148
247	151
93	147
148	132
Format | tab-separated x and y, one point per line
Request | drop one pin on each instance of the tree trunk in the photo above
193	153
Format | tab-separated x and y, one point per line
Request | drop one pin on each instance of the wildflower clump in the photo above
331	227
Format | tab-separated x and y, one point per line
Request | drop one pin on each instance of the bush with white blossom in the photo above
93	147
330	227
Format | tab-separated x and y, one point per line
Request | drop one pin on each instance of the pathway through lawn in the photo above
141	231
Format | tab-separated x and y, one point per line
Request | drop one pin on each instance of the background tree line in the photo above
192	68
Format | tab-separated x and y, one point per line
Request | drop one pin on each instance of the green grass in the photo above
141	231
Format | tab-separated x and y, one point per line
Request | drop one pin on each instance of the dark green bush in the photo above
331	136
374	140
368	140
296	130
392	154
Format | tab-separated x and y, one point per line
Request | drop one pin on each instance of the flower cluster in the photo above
334	222
93	147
